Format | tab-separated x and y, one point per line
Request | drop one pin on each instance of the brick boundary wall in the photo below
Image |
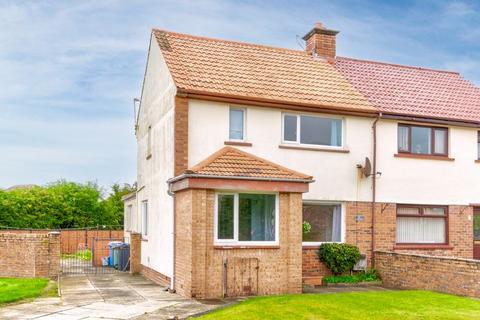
29	255
418	271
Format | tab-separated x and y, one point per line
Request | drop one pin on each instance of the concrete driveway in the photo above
109	296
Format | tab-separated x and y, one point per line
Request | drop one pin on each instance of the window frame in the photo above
422	214
244	128
144	230
128	218
478	145
298	141
236	201
432	140
343	222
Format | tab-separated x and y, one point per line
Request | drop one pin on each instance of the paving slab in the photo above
108	296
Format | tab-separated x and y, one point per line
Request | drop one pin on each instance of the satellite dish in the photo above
367	168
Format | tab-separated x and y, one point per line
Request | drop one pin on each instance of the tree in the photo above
62	204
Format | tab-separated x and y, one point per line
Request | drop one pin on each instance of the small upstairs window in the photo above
422	140
478	145
237	124
312	130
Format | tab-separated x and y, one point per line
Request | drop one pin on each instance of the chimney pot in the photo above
321	41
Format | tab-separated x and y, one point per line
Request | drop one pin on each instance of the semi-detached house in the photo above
240	145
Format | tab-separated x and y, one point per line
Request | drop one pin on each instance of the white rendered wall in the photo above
421	181
415	181
336	176
157	111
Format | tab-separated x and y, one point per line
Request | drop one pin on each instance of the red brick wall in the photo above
155	276
199	265
324	45
442	274
29	255
359	233
181	135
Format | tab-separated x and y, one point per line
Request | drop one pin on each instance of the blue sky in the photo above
70	69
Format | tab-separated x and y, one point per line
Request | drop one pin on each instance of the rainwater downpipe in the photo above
172	194
374	184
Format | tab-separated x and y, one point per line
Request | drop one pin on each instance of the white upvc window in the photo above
312	130
237	124
128	217
144	218
323	222
246	218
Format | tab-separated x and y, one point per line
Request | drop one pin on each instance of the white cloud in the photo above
69	69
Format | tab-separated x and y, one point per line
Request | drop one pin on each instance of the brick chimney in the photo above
320	41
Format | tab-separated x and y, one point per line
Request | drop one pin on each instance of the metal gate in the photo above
87	251
241	277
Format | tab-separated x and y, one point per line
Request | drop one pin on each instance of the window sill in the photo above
423	156
301	147
232	247
422	247
238	143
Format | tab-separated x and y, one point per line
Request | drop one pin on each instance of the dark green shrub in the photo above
339	257
361	276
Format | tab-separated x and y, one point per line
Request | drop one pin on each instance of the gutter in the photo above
197	175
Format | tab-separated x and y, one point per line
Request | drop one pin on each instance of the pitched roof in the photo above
231	162
221	67
413	91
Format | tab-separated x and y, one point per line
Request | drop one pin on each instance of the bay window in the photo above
246	218
322	223
422	140
421	224
312	130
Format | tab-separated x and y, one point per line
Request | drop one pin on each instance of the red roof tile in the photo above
223	67
413	91
231	162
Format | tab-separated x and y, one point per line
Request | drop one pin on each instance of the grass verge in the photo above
374	305
18	289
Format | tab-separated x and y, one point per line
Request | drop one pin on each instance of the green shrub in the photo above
370	275
339	257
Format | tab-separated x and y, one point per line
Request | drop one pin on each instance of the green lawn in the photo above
15	289
389	305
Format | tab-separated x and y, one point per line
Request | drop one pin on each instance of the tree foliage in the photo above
62	204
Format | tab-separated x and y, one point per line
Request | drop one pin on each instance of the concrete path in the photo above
109	296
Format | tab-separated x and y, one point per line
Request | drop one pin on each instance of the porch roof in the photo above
232	168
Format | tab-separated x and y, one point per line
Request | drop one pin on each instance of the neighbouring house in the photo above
241	144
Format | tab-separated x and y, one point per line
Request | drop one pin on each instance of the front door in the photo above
476	233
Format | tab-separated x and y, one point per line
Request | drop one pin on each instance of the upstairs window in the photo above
237	124
478	145
421	224
422	140
312	130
